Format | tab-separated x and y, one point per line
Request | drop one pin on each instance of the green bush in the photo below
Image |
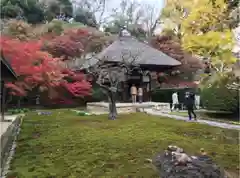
30	10
165	95
56	26
217	96
18	111
98	94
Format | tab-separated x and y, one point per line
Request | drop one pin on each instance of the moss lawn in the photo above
66	145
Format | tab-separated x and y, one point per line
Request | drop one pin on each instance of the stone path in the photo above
4	125
9	131
211	123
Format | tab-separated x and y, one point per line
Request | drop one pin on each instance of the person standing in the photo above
175	102
190	103
140	94
71	20
134	93
197	101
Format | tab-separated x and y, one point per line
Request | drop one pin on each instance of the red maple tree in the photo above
75	83
190	64
38	69
75	43
168	45
33	67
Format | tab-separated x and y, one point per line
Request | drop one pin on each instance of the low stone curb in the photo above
8	151
211	123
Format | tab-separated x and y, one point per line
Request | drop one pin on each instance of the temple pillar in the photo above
125	91
3	93
150	88
147	87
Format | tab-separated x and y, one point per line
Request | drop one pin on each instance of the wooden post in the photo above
2	100
125	91
150	88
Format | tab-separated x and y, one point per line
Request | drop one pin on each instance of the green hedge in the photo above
97	94
165	95
159	95
216	96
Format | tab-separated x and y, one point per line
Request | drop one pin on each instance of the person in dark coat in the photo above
190	103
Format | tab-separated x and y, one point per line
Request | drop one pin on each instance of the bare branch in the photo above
96	7
108	75
151	18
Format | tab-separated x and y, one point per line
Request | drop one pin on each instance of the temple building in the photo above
7	75
130	50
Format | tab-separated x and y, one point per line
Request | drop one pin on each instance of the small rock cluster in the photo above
44	113
175	163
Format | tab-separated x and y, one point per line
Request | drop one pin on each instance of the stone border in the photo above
8	149
201	121
102	107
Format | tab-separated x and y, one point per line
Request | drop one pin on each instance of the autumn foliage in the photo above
33	67
38	54
38	70
75	83
185	73
75	43
172	48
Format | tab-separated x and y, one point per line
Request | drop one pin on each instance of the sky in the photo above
158	4
111	4
116	3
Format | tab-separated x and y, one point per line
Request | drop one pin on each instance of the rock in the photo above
175	164
175	148
181	158
139	109
148	160
44	113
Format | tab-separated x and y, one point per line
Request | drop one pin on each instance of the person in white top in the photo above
140	94
71	20
175	102
197	101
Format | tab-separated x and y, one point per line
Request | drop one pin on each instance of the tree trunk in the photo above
2	101
19	103
112	106
112	102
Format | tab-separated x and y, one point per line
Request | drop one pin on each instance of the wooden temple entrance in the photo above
7	75
139	80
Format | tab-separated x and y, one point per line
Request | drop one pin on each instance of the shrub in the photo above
97	95
18	111
56	27
165	95
18	29
217	96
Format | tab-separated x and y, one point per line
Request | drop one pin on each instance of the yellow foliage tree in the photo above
217	46
207	15
205	34
174	12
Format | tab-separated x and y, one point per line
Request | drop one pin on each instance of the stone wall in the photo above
102	107
7	138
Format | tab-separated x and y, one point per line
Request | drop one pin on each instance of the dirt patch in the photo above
36	135
231	174
89	121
